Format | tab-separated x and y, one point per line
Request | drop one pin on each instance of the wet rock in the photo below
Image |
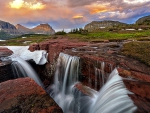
23	95
5	52
140	96
34	46
6	72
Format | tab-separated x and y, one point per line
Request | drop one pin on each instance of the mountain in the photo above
43	29
40	29
102	24
8	30
23	29
144	20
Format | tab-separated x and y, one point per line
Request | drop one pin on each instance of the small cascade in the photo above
18	70
113	97
100	76
22	69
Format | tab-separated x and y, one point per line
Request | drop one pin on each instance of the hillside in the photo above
102	24
144	20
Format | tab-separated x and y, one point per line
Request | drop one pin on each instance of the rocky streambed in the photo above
93	57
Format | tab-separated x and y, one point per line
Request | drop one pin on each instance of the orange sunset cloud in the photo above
77	17
17	4
97	8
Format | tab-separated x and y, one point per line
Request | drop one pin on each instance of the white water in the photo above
20	67
39	56
100	76
65	77
25	69
112	97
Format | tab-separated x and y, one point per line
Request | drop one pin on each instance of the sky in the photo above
68	14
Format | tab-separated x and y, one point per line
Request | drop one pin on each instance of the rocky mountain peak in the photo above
43	29
8	30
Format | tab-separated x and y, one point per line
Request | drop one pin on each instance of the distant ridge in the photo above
144	20
102	24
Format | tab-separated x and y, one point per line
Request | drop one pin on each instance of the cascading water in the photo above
112	97
20	67
65	77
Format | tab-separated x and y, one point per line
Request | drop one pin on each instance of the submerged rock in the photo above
23	95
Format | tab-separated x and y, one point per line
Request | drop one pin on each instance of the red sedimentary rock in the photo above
5	52
23	95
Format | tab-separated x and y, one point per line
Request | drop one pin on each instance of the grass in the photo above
110	35
137	50
92	36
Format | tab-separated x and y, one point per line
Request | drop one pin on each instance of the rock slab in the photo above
23	95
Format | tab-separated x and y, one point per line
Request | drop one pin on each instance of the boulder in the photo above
23	95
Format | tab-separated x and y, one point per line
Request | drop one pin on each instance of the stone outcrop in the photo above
96	57
23	95
5	66
95	25
144	20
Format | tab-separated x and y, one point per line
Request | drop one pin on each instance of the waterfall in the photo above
112	97
21	68
66	76
19	65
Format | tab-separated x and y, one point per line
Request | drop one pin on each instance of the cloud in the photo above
71	13
77	17
17	4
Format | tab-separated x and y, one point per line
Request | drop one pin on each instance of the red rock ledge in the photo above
23	95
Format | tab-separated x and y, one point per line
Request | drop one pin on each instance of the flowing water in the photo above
66	77
112	97
21	68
